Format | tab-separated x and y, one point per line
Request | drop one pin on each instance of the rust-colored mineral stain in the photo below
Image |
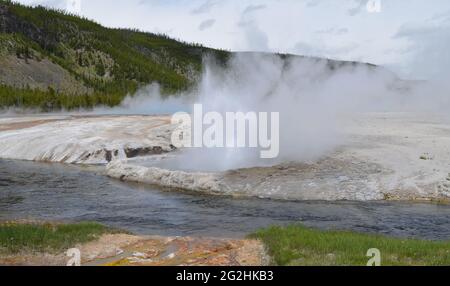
128	250
26	124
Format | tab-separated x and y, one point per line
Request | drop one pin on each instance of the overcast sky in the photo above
411	37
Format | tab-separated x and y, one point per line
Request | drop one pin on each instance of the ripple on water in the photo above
70	193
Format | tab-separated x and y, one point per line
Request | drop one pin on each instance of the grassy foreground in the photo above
40	238
297	245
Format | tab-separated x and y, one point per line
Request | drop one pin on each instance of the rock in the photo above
143	151
139	255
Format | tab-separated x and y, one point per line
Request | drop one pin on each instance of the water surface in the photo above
71	193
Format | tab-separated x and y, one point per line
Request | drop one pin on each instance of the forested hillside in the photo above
52	60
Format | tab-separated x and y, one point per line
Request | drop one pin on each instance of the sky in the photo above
410	37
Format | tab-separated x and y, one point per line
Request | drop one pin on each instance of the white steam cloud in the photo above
311	96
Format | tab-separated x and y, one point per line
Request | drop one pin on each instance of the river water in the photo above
58	192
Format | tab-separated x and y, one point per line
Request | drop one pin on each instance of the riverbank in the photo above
383	156
45	244
297	245
73	193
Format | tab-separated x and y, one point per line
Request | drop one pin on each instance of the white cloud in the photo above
255	39
358	7
253	8
206	24
205	7
428	55
322	50
333	31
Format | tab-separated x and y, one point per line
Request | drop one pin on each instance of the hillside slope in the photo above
53	60
47	51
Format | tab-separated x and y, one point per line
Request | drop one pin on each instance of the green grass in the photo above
297	245
51	238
